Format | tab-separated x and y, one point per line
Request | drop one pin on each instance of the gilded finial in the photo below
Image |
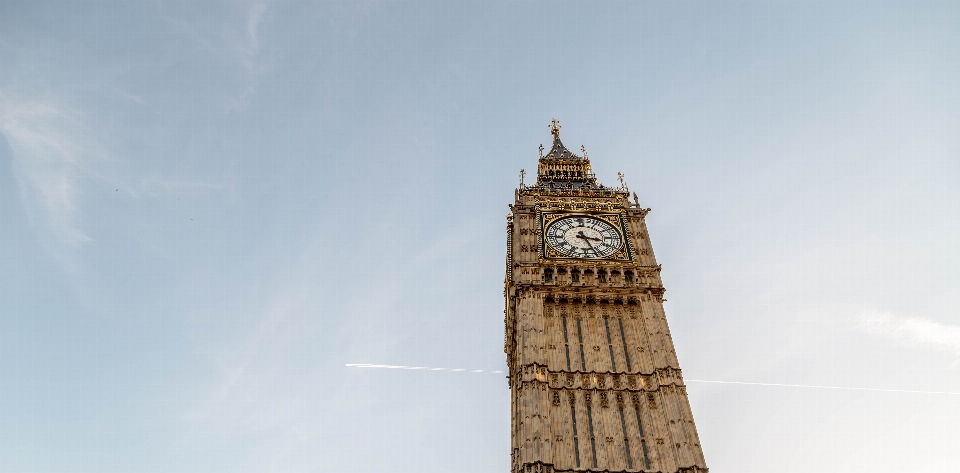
522	174
623	185
584	150
555	128
541	150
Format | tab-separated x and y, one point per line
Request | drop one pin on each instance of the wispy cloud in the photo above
155	185
236	43
255	15
449	244
252	368
244	45
912	331
50	144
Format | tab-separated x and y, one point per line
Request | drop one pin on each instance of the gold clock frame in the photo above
545	218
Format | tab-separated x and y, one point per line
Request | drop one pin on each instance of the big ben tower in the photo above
594	380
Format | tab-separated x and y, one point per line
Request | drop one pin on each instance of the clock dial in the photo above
583	237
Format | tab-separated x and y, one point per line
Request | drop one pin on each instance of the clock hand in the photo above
585	240
584	237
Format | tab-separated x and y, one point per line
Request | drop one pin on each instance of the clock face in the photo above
583	237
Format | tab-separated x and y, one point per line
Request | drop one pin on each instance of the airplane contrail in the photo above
425	368
822	387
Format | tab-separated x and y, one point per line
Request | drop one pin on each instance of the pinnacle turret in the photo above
563	170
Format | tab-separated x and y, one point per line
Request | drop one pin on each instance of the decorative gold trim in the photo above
580	203
547	218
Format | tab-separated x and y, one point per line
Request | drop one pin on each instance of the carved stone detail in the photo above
590	330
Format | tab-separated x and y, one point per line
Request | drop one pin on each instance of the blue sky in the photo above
208	208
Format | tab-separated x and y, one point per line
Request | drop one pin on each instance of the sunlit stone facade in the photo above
594	378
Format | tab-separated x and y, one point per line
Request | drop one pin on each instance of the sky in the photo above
208	209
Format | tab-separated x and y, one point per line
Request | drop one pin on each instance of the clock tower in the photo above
594	380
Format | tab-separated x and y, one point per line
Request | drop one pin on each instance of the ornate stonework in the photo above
594	378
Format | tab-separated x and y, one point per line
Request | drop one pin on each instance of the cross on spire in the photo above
555	127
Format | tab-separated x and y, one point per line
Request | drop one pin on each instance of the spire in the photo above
558	150
561	171
560	168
